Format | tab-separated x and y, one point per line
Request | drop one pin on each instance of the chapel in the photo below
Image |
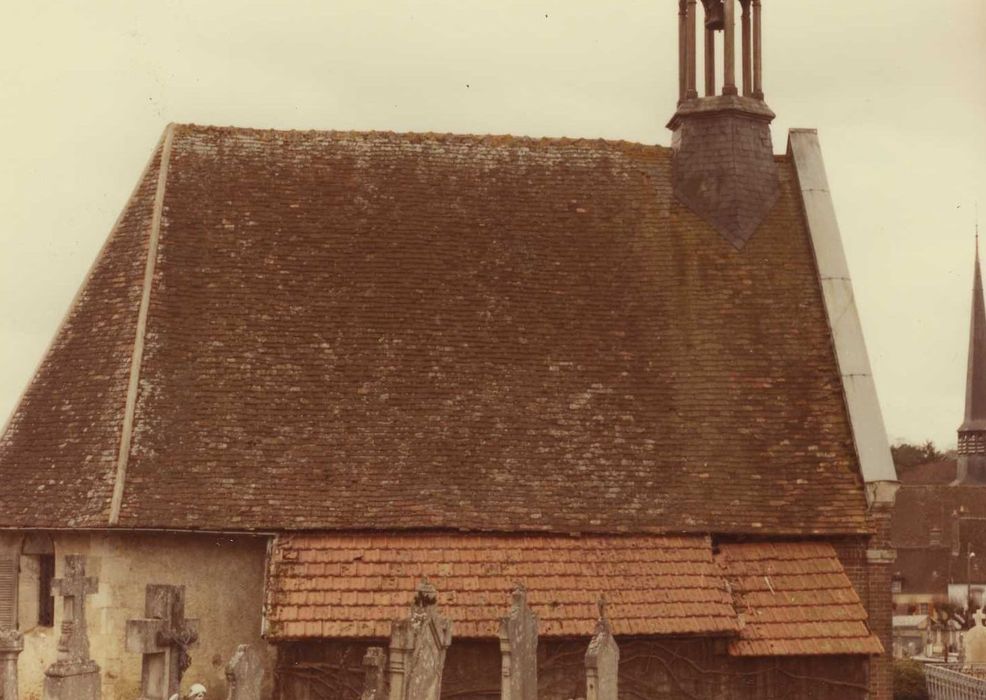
309	369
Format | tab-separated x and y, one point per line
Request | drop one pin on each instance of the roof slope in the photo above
787	598
794	598
326	585
58	455
371	330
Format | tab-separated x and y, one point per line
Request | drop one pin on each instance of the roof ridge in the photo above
441	136
138	351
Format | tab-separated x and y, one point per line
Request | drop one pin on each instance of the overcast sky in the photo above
897	91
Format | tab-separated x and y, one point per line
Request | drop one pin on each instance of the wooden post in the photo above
747	50
729	49
710	62
682	49
691	92
757	53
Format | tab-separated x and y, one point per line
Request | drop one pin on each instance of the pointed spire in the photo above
975	392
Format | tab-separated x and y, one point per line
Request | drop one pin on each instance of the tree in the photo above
909	683
906	456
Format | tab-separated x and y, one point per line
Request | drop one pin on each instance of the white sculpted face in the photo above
196	692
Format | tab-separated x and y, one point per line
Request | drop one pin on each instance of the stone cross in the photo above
73	676
602	661
11	645
164	637
245	674
519	650
374	674
417	649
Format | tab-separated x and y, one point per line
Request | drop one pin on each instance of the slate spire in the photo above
972	433
723	168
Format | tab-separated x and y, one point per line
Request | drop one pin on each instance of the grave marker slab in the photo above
602	661
245	674
417	649
519	650
974	640
164	637
374	674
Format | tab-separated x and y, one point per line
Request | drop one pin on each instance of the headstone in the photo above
11	645
519	650
417	649
975	641
602	661
164	637
374	674
245	674
73	676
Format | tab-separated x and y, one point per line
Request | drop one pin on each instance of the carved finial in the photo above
426	595
978	617
601	603
519	596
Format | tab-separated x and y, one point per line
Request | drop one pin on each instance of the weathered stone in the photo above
11	645
602	661
723	168
164	637
374	674
73	676
519	650
974	641
245	674
417	649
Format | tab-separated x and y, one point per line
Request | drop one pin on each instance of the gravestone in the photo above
11	645
519	650
164	637
245	674
975	641
417	649
602	661
73	676
374	674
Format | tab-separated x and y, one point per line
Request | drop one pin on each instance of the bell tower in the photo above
724	166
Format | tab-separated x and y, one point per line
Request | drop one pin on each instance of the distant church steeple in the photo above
972	432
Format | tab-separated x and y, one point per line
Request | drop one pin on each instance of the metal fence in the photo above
956	681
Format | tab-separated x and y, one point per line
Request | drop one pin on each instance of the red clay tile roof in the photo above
373	330
354	586
794	598
940	472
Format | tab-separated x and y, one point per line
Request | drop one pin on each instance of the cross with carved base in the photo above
74	586
163	637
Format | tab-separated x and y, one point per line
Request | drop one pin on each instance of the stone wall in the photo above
223	576
653	669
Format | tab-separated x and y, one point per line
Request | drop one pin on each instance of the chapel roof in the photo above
772	598
343	330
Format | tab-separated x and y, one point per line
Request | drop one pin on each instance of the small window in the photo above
46	601
35	603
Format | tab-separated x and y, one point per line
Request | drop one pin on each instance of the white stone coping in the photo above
869	432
